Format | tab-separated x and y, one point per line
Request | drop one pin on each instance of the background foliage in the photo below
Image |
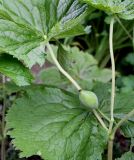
48	119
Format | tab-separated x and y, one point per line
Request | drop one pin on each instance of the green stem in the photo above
73	81
99	119
111	137
103	115
113	74
110	149
61	69
3	121
130	114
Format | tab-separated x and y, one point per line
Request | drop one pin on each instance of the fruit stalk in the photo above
61	69
75	84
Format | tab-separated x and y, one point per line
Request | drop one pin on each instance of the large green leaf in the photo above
122	8
50	122
127	156
15	70
26	25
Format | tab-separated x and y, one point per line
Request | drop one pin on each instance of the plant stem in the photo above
61	69
113	74
73	82
121	24
110	149
3	121
99	119
111	137
130	114
103	115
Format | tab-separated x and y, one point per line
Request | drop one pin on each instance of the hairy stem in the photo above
3	121
99	119
61	69
113	74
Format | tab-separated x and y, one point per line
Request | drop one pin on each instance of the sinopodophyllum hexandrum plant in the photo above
49	121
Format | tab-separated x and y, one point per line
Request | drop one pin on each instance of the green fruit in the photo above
88	99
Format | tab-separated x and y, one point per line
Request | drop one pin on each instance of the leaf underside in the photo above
122	8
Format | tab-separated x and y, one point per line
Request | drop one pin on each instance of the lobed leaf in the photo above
51	123
27	25
122	8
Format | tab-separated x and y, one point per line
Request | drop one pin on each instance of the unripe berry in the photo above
88	99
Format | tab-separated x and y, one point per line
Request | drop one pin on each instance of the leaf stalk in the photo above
62	70
113	74
100	120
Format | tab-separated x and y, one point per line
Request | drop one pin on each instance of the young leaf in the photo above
50	123
15	70
25	26
122	8
127	156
